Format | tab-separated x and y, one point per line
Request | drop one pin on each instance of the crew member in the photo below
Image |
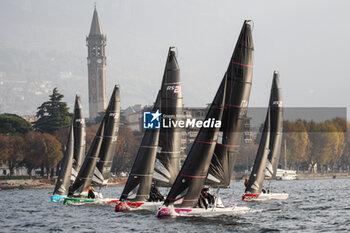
91	193
205	199
246	182
155	195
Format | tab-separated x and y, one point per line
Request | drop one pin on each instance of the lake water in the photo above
313	206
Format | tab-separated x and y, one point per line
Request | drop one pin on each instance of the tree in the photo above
297	140
12	151
4	147
126	150
90	134
326	145
52	152
52	114
12	124
345	158
34	150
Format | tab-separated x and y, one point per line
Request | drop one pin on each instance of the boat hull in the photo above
191	212
264	196
89	201
58	198
134	206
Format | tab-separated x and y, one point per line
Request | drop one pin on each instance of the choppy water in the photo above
313	206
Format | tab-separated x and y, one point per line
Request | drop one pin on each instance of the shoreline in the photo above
120	181
47	183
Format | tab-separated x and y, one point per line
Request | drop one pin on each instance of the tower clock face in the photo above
99	61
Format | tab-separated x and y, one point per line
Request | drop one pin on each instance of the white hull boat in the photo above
201	212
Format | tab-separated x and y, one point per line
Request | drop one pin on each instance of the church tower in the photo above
96	61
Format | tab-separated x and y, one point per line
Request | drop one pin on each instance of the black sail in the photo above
239	81
191	178
276	111
168	158
257	175
63	180
86	171
112	116
138	185
79	138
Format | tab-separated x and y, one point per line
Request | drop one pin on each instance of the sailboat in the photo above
71	169
212	154
157	160
101	149
63	181
266	161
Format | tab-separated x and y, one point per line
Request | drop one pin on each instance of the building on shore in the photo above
96	62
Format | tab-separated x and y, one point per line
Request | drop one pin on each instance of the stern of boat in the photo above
250	196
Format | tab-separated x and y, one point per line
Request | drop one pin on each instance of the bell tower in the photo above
96	62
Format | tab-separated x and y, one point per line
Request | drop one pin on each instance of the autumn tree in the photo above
344	161
12	151
326	144
90	134
52	114
52	152
126	150
297	141
34	151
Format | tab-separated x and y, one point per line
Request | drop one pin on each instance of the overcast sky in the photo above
307	41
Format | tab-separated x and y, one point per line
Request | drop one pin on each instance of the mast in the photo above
239	81
276	110
257	175
167	162
112	116
79	138
191	178
138	185
63	180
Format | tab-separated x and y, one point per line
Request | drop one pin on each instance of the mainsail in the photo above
88	168
257	175
63	180
276	113
168	157
239	81
79	138
138	185
191	178
111	119
86	171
